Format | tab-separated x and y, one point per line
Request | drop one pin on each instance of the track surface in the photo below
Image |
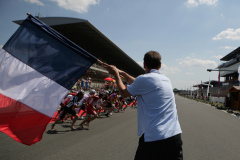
208	134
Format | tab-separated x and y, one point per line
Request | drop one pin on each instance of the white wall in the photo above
216	99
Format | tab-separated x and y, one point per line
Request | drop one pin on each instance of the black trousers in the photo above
66	110
167	149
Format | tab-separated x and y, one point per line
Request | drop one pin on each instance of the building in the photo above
229	69
220	92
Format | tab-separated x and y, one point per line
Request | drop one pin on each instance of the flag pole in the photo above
100	62
105	64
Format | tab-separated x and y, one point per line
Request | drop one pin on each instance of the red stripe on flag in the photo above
21	122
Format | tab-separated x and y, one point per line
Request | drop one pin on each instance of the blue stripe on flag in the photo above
48	52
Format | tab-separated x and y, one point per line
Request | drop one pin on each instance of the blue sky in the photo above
190	35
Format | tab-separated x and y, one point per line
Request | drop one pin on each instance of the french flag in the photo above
38	66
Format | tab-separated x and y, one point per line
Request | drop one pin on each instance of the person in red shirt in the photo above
91	113
99	104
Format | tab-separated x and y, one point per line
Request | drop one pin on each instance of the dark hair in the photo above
152	59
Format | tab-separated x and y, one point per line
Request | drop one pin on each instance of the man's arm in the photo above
126	76
121	87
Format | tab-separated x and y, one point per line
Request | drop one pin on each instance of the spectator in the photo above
86	84
83	83
78	85
89	82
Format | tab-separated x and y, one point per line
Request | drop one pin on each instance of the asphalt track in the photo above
208	134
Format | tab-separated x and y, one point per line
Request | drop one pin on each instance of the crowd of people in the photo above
84	83
88	105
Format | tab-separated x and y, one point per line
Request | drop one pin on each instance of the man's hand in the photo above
112	69
117	72
120	72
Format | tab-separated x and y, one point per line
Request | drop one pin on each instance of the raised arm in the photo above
116	72
126	76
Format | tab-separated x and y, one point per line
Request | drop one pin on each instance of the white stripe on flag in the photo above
24	84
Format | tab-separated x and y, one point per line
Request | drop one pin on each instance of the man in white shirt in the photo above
158	125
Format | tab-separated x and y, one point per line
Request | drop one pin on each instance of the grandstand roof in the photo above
88	37
232	55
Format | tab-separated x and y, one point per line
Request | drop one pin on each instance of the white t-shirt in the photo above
157	113
84	98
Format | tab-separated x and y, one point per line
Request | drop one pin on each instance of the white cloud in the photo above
169	70
191	62
38	2
79	6
208	2
191	3
229	33
194	3
228	47
1	46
